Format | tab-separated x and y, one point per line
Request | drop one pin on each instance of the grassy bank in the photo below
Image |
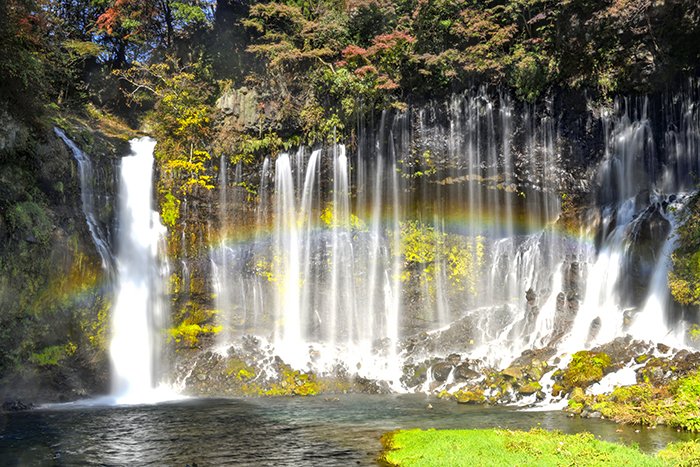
534	448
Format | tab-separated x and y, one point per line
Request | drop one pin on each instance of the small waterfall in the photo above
287	267
87	196
652	322
139	310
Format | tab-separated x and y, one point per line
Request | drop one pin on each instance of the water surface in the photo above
310	431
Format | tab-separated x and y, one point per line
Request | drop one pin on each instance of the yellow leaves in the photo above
418	242
195	321
328	217
191	171
461	257
189	333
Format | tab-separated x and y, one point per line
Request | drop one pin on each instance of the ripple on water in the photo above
281	431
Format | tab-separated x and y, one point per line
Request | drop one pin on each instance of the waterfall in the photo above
139	309
87	197
643	180
452	213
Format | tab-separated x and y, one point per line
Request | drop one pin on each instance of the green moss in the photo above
505	447
470	396
29	219
585	368
96	328
641	358
241	370
530	388
53	355
294	383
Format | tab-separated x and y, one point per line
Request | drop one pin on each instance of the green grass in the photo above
510	448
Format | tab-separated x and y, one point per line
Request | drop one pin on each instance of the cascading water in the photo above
642	183
87	196
139	309
451	217
368	250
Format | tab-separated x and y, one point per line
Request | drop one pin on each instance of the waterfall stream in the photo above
87	197
139	314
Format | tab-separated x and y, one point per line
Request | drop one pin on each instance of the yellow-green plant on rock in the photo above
193	322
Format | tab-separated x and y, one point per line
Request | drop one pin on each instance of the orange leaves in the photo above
353	51
393	39
127	18
382	60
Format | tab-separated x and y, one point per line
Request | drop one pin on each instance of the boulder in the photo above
529	388
441	371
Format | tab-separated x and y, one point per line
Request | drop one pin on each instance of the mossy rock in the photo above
585	369
474	396
513	372
530	388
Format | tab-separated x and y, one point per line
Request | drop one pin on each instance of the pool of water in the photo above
309	431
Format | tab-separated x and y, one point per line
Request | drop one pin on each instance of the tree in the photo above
181	118
135	28
22	32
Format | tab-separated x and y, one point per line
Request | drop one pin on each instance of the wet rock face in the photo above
249	368
564	318
465	372
623	350
441	371
649	235
10	132
574	283
460	336
414	375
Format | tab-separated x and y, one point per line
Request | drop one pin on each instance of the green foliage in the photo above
419	242
686	393
251	148
419	246
529	76
328	217
505	447
52	356
22	45
193	321
188	333
685	454
676	404
181	119
684	278
170	210
694	333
